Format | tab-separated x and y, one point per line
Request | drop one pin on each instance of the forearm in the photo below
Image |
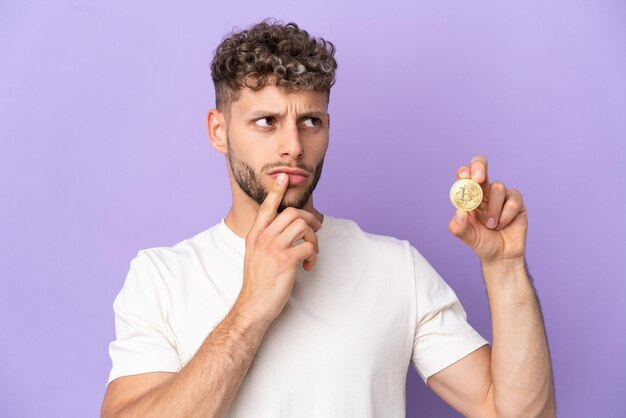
209	382
520	361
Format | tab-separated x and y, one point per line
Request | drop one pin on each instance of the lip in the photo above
289	171
294	179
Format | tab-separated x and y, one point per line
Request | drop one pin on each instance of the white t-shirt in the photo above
340	348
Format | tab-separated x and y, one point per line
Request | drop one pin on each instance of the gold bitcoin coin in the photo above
466	194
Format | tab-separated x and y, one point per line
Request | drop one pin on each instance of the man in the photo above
279	310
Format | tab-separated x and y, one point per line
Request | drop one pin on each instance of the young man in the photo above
280	310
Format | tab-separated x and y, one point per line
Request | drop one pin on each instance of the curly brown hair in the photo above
271	52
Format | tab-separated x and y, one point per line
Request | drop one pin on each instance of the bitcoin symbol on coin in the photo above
466	194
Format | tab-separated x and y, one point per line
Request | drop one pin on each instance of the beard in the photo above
252	185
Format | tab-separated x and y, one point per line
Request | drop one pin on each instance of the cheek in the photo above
246	147
319	149
317	142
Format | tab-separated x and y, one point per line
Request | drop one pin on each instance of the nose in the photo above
289	142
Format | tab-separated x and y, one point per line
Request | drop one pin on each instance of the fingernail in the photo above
491	223
465	173
281	178
477	174
459	216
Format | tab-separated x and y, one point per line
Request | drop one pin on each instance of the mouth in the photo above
296	176
293	178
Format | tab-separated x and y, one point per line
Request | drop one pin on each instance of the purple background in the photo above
104	152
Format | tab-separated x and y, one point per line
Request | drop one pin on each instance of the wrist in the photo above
507	279
504	266
248	318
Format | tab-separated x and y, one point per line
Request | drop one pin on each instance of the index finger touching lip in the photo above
269	208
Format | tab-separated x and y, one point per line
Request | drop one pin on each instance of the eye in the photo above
265	122
312	122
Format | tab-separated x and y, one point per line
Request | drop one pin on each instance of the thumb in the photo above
461	228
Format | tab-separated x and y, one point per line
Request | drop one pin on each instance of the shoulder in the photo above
349	232
178	254
154	267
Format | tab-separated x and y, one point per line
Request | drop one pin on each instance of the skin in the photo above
513	377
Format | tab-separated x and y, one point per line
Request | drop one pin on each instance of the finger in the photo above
269	208
497	195
305	252
461	228
298	230
478	166
463	172
287	217
513	205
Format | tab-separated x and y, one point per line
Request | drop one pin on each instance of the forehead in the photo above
275	99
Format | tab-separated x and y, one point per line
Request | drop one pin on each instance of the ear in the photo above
328	119
217	129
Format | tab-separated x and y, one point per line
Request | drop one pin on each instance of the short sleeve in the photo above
143	343
442	334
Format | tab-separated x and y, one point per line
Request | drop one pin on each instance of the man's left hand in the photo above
495	230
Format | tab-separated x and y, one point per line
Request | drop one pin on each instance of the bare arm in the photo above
520	360
204	387
208	383
513	378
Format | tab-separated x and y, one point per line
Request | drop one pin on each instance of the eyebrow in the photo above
259	113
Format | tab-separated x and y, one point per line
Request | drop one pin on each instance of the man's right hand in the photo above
271	259
210	380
